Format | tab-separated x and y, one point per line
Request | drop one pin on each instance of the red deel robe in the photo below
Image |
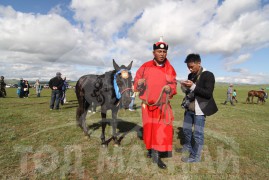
157	122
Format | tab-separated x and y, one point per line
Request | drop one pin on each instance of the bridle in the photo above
116	87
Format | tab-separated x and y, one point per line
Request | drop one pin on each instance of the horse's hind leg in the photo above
79	112
83	118
78	115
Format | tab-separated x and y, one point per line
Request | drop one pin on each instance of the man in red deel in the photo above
156	82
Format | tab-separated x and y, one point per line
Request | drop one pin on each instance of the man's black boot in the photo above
156	159
149	154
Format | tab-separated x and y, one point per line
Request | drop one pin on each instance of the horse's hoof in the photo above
86	137
116	145
104	145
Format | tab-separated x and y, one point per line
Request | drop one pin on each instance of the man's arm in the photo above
50	84
138	82
172	82
206	91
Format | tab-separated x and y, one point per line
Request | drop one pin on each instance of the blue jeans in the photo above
55	97
198	121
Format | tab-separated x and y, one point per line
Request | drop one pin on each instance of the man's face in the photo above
160	55
194	67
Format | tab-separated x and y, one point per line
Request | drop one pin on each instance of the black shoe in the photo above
149	153
156	159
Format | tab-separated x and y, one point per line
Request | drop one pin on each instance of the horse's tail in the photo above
81	99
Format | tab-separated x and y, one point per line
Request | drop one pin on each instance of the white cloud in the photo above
245	27
126	30
231	62
104	18
245	79
232	10
34	38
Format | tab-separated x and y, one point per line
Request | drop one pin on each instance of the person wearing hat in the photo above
3	87
201	85
229	95
55	85
156	83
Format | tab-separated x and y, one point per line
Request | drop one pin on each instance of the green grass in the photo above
37	143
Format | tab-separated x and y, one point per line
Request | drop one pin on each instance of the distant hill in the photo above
73	83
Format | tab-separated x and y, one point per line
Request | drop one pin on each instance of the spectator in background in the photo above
3	92
38	88
131	105
229	95
56	85
26	89
20	91
234	96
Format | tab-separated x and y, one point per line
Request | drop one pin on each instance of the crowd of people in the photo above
23	90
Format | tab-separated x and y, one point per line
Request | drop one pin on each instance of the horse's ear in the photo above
130	66
116	66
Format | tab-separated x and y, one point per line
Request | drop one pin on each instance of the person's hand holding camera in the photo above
187	83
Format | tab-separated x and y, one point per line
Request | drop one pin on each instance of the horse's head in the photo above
123	83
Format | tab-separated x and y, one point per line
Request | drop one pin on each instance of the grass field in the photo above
37	143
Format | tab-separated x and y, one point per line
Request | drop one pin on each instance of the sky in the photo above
76	37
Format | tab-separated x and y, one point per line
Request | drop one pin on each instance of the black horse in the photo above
110	91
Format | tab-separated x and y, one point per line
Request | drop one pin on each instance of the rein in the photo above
157	103
122	93
125	90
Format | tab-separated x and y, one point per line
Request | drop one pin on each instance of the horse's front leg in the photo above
114	126
104	123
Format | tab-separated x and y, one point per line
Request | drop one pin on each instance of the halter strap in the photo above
116	87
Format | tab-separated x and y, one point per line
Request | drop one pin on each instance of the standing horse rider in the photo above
156	82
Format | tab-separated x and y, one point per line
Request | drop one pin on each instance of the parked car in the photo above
14	86
46	86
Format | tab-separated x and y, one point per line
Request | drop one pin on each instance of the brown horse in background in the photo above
260	94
